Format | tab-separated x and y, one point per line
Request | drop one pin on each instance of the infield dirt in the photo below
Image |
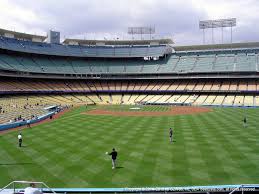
177	110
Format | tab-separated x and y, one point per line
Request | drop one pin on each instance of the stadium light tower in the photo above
141	31
221	23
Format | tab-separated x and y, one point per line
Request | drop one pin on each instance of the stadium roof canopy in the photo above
117	42
245	45
23	36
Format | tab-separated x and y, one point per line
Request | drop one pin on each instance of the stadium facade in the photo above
132	71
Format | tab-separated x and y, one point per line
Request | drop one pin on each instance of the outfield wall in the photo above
22	123
245	188
190	104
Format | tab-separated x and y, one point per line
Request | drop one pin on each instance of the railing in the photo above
6	126
230	189
12	187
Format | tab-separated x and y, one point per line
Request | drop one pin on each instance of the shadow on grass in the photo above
16	164
119	167
23	146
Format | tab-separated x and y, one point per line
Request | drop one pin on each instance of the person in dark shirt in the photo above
114	155
171	134
20	139
244	121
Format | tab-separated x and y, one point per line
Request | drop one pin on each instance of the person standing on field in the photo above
171	134
20	139
28	123
114	155
244	121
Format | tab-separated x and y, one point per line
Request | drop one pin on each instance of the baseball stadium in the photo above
74	101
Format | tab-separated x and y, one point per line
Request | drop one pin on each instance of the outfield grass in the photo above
209	148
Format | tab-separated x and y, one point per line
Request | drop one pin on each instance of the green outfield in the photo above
210	148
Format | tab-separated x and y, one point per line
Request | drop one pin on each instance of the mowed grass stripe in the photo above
209	148
27	165
228	146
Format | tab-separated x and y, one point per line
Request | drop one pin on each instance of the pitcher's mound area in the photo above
177	110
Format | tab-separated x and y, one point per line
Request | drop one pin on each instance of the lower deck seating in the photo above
209	100
116	99
249	101
229	100
106	99
256	101
200	99
12	107
239	100
218	100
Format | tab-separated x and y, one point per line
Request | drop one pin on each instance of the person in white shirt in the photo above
28	123
20	140
32	190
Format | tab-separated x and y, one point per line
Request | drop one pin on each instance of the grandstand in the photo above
184	64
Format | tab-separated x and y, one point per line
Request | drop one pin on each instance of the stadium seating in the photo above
116	99
207	86
185	64
224	63
25	85
26	106
191	99
225	86
256	101
249	101
140	99
229	100
246	62
209	100
132	99
163	99
233	86
239	100
218	62
218	100
106	99
81	51
88	67
204	63
200	99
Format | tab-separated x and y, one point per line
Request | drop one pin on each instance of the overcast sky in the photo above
96	19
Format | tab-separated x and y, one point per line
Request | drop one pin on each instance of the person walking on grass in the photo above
114	155
20	139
